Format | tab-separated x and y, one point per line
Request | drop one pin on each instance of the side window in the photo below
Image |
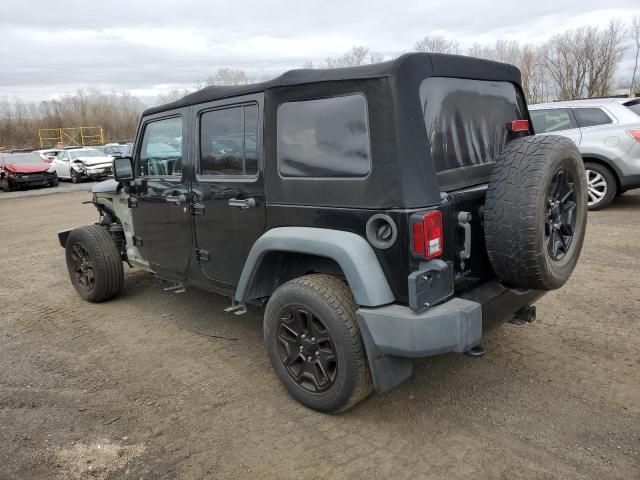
161	150
324	138
590	117
552	120
229	141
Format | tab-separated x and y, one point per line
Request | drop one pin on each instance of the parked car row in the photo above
47	167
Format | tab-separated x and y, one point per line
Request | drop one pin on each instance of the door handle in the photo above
463	222
242	204
177	199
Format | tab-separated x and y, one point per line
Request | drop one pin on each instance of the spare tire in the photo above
536	212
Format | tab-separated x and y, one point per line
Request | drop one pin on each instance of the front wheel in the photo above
94	263
314	343
75	177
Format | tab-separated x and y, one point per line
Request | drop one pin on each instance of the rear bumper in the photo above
394	334
629	182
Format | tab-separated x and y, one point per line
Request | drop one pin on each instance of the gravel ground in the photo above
137	387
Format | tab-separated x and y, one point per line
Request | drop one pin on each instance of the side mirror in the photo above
122	169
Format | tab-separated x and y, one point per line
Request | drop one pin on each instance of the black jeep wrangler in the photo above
381	213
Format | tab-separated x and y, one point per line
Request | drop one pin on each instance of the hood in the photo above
26	167
94	160
107	186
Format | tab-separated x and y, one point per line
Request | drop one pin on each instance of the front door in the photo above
62	163
161	197
228	190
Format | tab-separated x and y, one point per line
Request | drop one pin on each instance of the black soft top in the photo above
428	64
403	172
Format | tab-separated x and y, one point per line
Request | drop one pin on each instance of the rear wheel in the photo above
601	185
94	263
536	212
314	343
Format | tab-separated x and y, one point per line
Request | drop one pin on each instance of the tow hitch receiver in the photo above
524	315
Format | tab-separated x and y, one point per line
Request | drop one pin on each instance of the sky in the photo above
146	47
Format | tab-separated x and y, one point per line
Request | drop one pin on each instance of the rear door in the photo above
161	200
558	121
228	190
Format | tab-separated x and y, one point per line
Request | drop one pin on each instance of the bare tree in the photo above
534	78
634	34
437	44
173	95
604	53
582	62
357	55
228	76
117	114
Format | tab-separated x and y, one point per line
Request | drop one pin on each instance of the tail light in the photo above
518	126
635	133
427	235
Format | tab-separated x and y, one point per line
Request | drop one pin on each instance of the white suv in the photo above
607	133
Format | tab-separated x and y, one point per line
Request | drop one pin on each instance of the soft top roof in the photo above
435	64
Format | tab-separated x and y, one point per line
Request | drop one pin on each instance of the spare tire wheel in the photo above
536	212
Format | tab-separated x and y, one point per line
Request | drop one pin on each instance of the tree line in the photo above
578	63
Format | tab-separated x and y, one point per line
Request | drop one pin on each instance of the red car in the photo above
25	170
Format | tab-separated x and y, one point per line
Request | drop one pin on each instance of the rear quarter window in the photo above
634	106
591	117
324	138
466	119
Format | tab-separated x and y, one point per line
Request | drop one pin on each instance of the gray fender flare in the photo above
351	252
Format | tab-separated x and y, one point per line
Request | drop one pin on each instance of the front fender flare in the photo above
351	252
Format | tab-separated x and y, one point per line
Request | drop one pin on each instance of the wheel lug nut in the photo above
303	336
317	353
308	359
313	339
301	348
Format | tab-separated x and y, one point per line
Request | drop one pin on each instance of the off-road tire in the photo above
516	210
330	299
610	180
105	261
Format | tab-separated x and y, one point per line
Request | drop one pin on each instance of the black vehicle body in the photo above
403	178
434	126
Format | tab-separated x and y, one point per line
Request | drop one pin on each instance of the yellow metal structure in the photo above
70	137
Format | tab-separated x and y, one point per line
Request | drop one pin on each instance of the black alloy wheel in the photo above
306	349
83	267
561	219
314	343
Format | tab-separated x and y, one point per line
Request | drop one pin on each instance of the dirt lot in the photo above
133	389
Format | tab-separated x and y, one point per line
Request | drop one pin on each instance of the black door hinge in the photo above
132	202
202	255
137	241
197	209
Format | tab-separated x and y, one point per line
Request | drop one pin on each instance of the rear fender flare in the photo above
351	252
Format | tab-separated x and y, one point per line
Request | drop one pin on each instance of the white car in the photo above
78	164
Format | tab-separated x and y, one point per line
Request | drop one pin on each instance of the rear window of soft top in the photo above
466	119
